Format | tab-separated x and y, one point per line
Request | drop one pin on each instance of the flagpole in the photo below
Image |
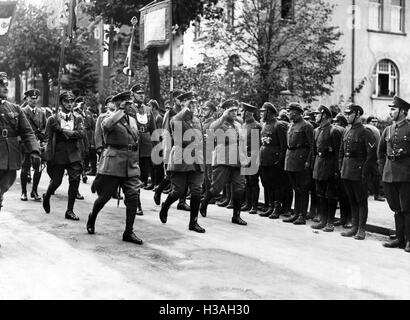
134	22
60	67
171	65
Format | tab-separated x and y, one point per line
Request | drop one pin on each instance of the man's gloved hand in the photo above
35	160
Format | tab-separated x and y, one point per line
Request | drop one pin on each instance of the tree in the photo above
83	76
184	11
286	48
30	44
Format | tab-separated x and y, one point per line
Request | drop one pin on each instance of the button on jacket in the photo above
357	152
13	127
326	152
395	141
300	143
273	143
117	160
177	158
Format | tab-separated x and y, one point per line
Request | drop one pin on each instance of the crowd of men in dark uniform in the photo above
321	158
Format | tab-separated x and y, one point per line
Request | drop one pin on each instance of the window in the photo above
385	79
376	14
397	16
287	9
231	12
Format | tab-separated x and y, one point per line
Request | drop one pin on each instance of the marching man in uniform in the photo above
394	164
119	164
36	116
13	124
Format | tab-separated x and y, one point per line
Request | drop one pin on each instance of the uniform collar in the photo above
356	125
401	123
64	115
324	125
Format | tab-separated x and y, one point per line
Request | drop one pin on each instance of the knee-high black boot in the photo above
400	241
193	220
129	235
36	181
72	193
323	210
23	182
236	218
163	213
139	208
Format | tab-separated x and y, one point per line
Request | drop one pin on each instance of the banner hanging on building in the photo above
155	28
7	10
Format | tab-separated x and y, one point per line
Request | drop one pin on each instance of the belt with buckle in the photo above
129	147
4	133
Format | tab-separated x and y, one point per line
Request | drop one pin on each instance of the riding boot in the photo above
129	235
163	213
355	224
204	203
247	204
361	232
278	210
323	209
227	198
331	211
23	182
400	241
193	221
230	204
271	204
36	181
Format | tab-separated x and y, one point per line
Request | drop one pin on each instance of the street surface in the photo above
48	257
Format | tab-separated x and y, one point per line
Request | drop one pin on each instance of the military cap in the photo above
295	106
137	88
186	96
341	118
248	107
177	93
66	95
3	78
229	104
122	96
354	108
324	110
32	93
153	104
108	100
399	103
79	99
269	106
371	118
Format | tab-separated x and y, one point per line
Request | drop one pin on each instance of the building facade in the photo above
376	44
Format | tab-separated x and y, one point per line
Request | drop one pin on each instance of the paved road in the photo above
47	257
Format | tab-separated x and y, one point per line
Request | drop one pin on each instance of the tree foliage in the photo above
30	44
294	52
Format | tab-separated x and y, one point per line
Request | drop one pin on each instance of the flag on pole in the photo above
7	10
155	27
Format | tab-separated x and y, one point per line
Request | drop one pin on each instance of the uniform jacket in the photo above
116	161
300	143
230	145
357	152
273	144
177	158
13	127
73	139
167	136
146	129
37	120
326	152
98	134
395	140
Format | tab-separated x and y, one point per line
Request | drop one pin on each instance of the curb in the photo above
380	230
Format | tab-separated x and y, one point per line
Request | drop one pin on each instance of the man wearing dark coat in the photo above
65	133
298	161
118	165
36	116
325	167
186	160
357	152
13	126
394	164
272	160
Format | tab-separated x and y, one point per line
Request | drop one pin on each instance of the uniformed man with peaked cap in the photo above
298	161
65	133
186	172
13	125
229	156
118	166
272	159
36	116
357	152
394	164
325	167
253	129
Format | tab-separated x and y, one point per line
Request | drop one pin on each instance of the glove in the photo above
35	160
